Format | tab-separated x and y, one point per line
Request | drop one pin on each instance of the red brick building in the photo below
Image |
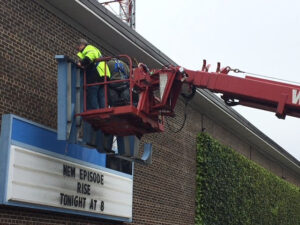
33	32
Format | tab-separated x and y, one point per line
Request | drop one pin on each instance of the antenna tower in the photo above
124	9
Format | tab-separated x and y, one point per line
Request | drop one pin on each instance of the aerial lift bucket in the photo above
125	122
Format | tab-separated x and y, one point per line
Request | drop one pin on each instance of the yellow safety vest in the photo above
94	53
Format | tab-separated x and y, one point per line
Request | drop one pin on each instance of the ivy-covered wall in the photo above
232	190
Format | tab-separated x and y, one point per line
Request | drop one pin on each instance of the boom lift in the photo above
158	91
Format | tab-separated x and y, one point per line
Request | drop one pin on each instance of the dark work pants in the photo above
119	98
95	98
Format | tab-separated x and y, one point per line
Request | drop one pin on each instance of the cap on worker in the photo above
82	41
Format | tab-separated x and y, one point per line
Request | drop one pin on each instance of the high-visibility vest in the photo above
94	53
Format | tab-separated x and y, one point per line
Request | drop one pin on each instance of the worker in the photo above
118	92
119	95
95	95
95	72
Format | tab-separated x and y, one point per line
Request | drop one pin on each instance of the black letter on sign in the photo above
93	204
102	206
78	187
61	198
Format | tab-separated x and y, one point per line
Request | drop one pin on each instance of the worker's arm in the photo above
85	61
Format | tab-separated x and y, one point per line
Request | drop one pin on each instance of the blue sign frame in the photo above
24	133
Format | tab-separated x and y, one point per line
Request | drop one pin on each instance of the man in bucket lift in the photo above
119	92
95	98
95	72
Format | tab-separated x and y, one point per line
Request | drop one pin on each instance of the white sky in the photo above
258	36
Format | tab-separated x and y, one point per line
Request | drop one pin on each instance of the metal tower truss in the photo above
124	9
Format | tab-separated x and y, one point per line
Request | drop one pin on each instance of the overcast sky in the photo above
258	36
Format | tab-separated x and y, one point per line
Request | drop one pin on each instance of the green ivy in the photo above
232	190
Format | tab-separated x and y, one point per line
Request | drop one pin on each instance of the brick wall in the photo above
30	38
164	192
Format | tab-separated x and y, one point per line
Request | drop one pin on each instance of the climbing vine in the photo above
232	190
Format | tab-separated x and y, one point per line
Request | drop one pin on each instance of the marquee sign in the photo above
38	171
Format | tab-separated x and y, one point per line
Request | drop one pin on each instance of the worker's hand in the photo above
79	64
143	66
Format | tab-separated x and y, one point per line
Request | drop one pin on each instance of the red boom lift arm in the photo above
159	90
